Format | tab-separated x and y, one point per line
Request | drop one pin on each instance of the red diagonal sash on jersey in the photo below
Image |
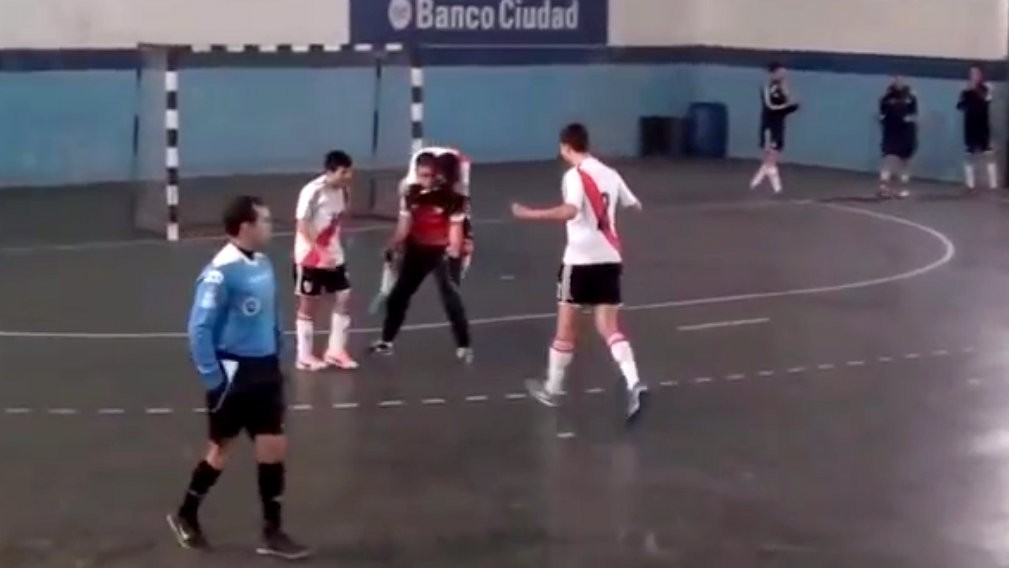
600	208
325	237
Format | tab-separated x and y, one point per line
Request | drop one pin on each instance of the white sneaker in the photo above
340	361
312	364
464	354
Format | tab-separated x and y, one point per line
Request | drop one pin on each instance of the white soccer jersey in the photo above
324	209
411	174
595	189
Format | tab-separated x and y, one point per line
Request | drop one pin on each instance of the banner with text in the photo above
480	22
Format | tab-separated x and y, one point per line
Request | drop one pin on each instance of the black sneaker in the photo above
380	348
637	400
277	543
187	532
538	391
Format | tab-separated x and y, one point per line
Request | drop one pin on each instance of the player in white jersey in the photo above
592	265
320	273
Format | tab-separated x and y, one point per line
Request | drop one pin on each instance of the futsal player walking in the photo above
234	339
320	273
975	104
430	236
776	104
592	266
898	115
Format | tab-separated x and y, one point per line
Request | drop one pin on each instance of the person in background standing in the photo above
776	105
898	115
975	104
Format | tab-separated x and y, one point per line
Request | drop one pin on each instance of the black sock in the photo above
204	477
271	491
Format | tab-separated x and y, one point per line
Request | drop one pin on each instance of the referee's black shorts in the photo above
251	400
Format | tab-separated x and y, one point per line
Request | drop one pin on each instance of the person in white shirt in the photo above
592	266
320	275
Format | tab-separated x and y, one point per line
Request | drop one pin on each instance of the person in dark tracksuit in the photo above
776	105
975	104
430	235
898	115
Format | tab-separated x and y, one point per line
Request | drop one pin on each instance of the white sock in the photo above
339	325
992	175
884	175
968	174
758	177
305	331
905	176
622	353
560	357
775	178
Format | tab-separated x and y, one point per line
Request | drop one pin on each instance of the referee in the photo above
234	339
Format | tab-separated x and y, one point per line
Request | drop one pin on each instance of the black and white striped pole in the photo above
172	145
416	102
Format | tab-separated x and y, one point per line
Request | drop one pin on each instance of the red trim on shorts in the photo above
599	208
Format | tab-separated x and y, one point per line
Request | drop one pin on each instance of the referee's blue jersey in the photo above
234	313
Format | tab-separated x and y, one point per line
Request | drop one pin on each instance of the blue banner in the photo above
480	22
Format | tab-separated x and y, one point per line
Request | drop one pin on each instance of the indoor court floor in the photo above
829	379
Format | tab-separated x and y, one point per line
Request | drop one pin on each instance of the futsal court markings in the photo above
949	251
792	371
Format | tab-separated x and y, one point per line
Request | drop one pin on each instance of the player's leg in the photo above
224	425
885	174
336	353
777	133
264	421
309	292
766	146
413	269
562	348
607	312
988	156
448	278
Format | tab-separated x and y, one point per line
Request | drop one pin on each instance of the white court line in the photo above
795	370
885	359
766	373
594	390
669	383
720	324
433	401
735	377
826	366
949	251
477	398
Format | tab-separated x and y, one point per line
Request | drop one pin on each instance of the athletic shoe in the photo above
637	400
464	354
187	532
340	361
311	364
538	391
276	543
380	348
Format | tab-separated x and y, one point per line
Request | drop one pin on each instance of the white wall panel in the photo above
118	23
963	29
654	22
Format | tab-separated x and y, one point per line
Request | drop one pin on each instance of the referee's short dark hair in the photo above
337	159
576	137
774	66
239	211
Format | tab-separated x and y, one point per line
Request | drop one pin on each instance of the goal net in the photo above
220	121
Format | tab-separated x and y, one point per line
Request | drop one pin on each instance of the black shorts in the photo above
251	401
589	284
901	145
772	136
977	141
310	281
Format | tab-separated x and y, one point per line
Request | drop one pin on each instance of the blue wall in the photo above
67	124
